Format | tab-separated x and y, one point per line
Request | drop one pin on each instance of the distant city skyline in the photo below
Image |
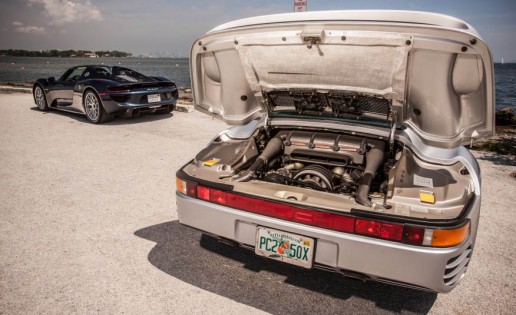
167	28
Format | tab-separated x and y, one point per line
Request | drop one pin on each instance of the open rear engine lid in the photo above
434	70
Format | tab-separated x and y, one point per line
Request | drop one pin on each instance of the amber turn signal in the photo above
452	237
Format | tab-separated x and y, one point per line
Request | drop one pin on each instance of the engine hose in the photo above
362	196
374	159
272	149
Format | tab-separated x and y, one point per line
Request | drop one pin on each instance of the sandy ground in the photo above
88	224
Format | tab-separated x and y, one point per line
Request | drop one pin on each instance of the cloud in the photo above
61	12
30	29
19	27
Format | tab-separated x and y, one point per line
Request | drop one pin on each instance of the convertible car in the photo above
101	92
348	154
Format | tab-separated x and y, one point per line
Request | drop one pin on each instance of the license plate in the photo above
153	98
290	248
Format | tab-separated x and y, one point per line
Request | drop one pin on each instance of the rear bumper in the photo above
434	269
113	107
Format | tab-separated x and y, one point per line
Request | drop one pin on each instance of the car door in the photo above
62	89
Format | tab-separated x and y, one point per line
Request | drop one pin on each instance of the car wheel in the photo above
40	99
94	109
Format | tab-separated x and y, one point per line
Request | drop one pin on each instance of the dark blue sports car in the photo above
102	92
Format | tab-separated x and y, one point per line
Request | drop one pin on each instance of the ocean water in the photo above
28	69
505	84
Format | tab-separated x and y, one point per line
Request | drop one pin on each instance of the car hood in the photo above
435	71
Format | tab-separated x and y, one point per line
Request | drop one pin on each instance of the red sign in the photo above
300	5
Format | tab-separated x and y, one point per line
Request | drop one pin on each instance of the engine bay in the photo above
335	170
334	163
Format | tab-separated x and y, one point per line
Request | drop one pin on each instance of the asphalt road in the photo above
88	224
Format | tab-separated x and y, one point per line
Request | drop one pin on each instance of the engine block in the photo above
325	148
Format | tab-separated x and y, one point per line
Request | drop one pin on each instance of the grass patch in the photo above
503	143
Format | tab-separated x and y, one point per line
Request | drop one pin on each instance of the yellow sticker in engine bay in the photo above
427	197
211	162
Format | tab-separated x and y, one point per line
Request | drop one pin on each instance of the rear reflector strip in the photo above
277	210
398	232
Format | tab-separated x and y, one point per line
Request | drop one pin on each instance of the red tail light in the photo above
390	231
218	197
414	235
203	193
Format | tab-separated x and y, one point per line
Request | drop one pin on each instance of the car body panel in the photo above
68	91
436	70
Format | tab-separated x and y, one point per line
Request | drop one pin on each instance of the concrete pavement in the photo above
88	224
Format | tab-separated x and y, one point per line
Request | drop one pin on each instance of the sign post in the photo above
300	5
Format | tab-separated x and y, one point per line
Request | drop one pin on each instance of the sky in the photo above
171	26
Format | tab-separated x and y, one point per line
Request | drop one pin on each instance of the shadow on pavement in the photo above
271	286
508	160
143	117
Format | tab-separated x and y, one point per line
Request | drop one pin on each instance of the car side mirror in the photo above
76	78
51	79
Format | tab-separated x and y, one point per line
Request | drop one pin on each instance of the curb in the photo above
6	88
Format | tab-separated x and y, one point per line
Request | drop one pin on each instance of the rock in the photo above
505	117
184	108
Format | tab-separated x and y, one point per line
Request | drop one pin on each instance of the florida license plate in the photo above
153	98
287	247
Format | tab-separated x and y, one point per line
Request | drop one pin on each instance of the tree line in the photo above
63	53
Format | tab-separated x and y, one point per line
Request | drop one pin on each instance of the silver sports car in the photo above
101	92
349	154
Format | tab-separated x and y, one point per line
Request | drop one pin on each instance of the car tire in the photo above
94	109
40	99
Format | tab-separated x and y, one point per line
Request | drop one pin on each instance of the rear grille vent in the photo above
456	267
337	103
373	105
119	98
